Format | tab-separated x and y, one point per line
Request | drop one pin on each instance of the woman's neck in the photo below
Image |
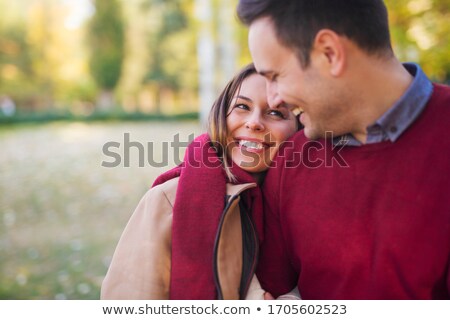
259	177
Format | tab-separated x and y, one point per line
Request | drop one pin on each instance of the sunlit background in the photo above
76	74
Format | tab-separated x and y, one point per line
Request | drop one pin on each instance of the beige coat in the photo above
140	267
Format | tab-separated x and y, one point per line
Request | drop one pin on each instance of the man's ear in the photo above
331	49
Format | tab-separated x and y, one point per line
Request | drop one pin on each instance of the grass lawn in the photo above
61	211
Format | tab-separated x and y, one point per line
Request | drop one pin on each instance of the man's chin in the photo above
312	134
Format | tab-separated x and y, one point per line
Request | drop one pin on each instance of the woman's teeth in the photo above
251	144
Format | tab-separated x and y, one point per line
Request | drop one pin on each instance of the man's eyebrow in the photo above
266	73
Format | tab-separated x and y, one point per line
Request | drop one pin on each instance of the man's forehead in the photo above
263	46
264	22
268	54
261	30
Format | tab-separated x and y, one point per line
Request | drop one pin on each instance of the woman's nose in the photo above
254	123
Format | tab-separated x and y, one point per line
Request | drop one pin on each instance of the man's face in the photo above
310	89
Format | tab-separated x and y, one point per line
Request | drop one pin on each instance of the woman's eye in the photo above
242	106
276	113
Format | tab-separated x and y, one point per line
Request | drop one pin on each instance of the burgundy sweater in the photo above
378	228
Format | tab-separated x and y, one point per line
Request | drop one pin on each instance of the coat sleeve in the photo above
140	267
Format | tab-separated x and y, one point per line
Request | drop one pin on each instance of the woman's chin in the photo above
252	166
251	162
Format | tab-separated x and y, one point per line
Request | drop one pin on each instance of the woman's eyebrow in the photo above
243	98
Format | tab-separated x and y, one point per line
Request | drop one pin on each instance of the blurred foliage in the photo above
171	47
420	31
145	51
16	63
106	43
173	20
42	61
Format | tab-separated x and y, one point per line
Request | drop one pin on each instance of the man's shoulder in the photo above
440	91
442	86
438	106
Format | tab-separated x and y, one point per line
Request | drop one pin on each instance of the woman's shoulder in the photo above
164	192
167	186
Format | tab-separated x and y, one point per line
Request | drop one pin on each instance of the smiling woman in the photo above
242	124
255	131
183	223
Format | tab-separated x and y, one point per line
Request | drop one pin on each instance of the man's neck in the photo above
381	84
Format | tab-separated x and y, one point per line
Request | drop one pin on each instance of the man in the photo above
364	214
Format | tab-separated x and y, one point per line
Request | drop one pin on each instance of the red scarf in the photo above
200	201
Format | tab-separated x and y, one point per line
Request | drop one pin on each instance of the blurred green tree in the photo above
171	46
420	31
15	64
106	43
18	81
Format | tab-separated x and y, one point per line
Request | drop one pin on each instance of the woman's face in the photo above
255	132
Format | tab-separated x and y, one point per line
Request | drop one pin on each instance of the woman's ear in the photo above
330	48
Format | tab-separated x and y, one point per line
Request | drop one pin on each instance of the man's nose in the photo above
273	98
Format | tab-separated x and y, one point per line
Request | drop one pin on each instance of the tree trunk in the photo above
105	101
205	57
227	42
